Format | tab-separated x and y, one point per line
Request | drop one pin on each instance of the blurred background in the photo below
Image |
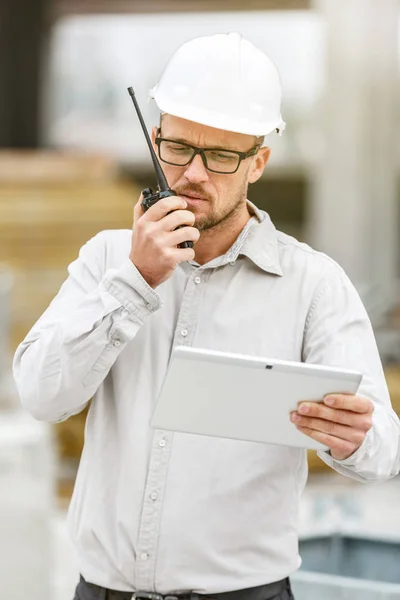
73	161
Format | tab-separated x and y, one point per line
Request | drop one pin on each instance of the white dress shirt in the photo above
172	512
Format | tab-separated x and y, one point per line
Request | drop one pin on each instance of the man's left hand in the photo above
341	422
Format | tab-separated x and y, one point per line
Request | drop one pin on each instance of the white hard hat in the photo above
223	81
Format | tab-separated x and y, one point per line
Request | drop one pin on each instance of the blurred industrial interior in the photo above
73	161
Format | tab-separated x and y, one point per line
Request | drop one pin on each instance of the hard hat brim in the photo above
216	120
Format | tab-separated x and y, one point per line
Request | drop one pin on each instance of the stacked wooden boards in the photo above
50	205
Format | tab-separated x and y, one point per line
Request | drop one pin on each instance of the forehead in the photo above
204	136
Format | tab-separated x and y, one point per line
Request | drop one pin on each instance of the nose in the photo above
196	171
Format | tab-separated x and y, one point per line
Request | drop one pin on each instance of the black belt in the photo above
90	591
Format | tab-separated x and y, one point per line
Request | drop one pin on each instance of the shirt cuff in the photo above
132	291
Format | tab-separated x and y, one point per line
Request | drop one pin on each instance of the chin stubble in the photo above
216	220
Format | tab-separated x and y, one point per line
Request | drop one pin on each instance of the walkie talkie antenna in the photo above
161	179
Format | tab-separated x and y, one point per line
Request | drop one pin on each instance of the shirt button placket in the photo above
151	514
187	315
149	529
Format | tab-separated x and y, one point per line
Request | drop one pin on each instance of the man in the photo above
154	511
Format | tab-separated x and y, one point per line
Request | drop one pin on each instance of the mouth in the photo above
192	199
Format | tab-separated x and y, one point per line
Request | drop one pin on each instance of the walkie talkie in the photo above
164	191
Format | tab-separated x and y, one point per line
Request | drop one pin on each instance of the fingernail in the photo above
294	417
329	400
303	408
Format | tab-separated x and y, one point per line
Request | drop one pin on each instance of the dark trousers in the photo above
280	590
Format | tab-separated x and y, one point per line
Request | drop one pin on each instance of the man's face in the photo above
212	197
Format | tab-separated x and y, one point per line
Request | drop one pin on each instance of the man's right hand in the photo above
155	251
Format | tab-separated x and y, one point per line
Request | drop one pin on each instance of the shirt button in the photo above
162	443
184	332
144	556
154	495
232	263
116	343
197	279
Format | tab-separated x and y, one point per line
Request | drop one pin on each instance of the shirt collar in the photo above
260	245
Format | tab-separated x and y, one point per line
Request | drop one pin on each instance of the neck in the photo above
217	240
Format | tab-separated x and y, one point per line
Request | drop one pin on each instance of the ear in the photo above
259	163
154	133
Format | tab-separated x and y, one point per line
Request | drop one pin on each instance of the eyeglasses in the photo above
216	160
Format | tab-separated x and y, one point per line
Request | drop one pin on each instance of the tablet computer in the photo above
243	397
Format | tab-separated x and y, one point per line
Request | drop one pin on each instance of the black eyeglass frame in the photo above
242	155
